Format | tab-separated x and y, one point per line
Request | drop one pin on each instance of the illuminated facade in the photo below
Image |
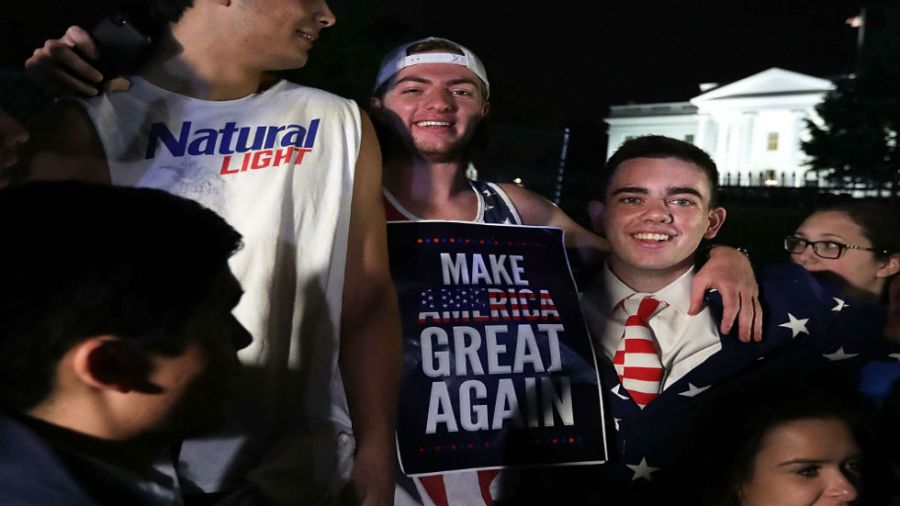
751	127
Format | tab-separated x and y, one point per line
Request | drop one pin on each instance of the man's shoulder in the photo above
311	94
780	283
31	473
287	98
790	297
143	91
519	195
775	273
533	208
799	303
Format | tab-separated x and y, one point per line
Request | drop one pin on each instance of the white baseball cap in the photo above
399	59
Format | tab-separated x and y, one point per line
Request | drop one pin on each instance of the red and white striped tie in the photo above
637	359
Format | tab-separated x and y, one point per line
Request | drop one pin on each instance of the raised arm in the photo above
536	210
59	69
371	345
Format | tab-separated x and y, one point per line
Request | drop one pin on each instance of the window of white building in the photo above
772	142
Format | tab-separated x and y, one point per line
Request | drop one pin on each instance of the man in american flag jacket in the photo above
658	204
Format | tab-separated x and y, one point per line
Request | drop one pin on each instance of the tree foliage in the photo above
856	140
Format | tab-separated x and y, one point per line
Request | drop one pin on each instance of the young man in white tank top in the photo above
298	172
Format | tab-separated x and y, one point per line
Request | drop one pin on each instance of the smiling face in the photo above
278	34
435	108
655	214
809	462
859	272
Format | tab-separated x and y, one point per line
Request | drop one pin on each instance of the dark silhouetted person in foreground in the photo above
116	339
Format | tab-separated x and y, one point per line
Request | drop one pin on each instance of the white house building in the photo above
751	127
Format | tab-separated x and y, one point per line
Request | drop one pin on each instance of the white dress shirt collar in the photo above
677	293
685	341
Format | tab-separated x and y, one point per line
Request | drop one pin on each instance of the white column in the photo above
732	138
744	147
721	152
702	127
795	152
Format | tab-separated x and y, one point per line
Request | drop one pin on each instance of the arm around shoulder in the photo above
536	210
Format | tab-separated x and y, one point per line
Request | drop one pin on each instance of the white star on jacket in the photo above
840	305
840	354
616	390
797	326
642	470
693	391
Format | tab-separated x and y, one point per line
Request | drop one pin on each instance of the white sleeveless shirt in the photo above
279	167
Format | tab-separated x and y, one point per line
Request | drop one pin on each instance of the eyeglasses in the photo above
825	249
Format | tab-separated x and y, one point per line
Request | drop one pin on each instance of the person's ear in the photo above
716	220
109	363
596	210
485	109
891	266
376	104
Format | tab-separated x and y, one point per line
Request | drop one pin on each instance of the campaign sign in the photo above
498	368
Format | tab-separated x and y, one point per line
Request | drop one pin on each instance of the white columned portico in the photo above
700	140
753	126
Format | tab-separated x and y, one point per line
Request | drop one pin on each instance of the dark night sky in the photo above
567	60
561	62
551	64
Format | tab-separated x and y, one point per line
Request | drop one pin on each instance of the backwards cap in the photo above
398	59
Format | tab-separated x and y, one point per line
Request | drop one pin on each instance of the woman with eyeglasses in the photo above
855	244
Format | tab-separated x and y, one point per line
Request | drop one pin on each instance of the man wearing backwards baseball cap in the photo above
430	97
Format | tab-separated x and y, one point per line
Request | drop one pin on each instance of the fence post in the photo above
561	170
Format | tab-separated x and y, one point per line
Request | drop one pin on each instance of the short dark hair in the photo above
879	222
434	45
659	146
151	17
82	260
167	11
